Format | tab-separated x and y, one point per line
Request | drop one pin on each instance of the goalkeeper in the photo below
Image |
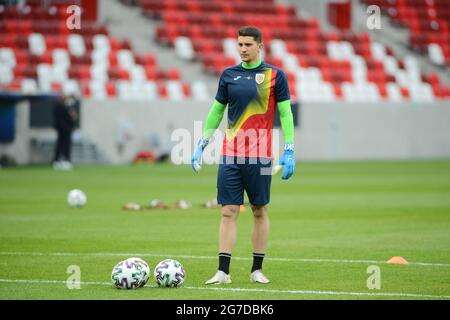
252	90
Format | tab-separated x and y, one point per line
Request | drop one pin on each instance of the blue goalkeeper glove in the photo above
196	161
288	161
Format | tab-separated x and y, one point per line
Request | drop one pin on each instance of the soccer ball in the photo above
169	273
131	273
76	198
144	266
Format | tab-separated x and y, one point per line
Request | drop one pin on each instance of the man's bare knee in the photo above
230	212
259	211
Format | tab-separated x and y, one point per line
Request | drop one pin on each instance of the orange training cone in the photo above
397	260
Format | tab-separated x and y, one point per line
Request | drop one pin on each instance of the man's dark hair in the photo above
251	32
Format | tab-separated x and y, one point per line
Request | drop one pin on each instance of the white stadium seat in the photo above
45	85
378	51
76	45
200	91
36	43
71	87
61	58
229	49
291	62
393	92
7	57
44	72
315	91
29	86
125	59
6	74
101	43
59	73
435	53
97	89
99	72
421	92
150	90
278	48
137	73
390	65
175	90
183	48
360	92
100	57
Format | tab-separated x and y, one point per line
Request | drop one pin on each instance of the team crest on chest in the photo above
259	78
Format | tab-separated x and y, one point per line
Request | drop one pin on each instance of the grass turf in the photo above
342	211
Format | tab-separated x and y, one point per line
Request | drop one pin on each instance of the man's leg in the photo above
260	237
67	144
58	145
227	240
261	227
257	185
230	193
228	228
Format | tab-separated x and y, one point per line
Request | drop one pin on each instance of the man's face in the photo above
248	48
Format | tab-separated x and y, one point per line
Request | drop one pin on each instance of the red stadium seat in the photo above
111	89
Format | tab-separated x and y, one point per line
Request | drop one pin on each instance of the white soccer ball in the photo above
130	274
76	198
169	273
144	266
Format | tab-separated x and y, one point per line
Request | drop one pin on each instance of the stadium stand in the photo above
321	66
39	54
428	22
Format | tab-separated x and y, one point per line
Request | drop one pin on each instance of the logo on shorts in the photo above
259	78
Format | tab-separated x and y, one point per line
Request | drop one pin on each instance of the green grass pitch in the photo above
329	223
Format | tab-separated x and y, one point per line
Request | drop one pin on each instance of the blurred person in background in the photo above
65	116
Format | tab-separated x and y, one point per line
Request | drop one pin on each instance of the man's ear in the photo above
260	45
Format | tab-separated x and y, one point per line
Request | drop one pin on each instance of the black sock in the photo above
257	261
224	262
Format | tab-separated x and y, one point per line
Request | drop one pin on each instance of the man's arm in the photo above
213	120
287	126
287	120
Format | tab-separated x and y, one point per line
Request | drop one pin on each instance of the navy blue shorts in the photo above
238	174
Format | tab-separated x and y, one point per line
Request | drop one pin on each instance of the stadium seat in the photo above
175	90
7	57
6	74
199	91
71	87
76	45
435	54
29	86
183	48
36	43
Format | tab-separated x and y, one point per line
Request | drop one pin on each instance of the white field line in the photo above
107	254
304	292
